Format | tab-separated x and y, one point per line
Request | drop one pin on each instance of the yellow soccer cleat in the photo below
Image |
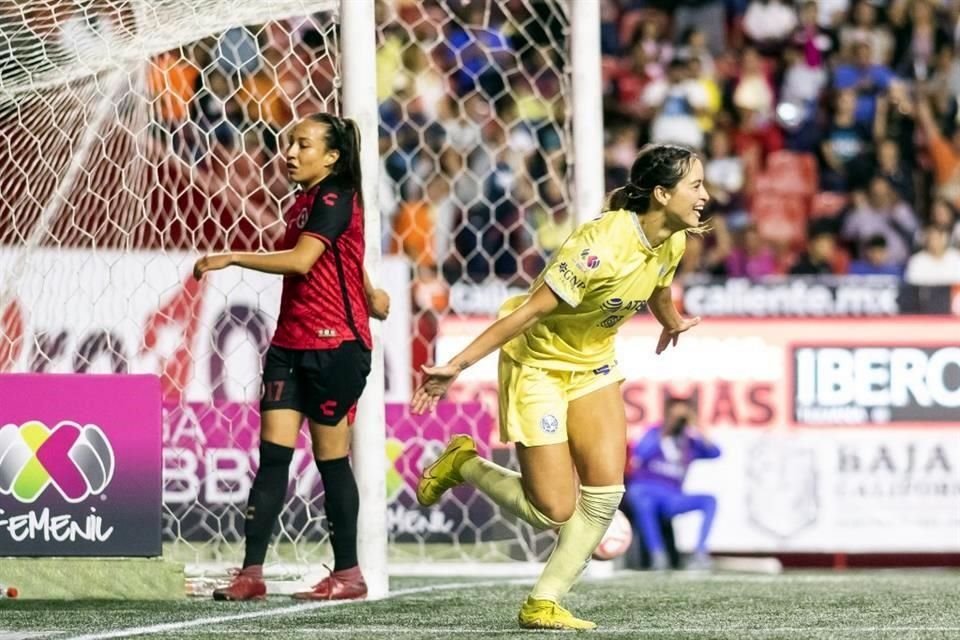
444	473
547	614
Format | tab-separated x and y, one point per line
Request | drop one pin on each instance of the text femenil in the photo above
63	528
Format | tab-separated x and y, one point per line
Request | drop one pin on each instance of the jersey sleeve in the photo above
330	215
678	242
578	265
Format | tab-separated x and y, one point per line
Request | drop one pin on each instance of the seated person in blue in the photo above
657	467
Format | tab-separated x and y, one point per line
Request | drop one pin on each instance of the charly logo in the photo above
77	460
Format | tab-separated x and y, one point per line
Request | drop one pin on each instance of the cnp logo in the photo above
77	460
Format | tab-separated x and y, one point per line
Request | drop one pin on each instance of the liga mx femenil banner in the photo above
80	465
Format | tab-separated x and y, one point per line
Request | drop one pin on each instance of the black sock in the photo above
342	504
266	500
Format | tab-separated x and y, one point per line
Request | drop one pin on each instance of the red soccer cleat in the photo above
347	584
244	586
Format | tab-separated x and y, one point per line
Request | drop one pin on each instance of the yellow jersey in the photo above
603	274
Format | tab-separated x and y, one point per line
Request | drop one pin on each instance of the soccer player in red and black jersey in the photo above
318	362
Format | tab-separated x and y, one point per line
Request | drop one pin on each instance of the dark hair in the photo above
877	241
343	135
662	165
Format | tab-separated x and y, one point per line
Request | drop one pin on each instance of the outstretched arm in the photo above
296	261
438	379
661	306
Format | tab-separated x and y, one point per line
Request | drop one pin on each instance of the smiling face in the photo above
309	160
684	204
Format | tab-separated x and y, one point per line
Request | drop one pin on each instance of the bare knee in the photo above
557	508
330	442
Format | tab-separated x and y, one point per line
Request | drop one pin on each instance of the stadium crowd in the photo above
830	131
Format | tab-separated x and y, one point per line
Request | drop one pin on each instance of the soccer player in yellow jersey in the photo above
560	400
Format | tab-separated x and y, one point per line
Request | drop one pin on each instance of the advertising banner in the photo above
80	465
821	296
210	453
837	435
114	312
813	490
772	374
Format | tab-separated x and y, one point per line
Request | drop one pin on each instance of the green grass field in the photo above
899	605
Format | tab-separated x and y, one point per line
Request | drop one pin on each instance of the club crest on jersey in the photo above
549	424
587	260
302	219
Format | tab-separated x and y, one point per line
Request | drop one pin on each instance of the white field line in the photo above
281	611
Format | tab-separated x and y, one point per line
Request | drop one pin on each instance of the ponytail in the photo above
343	135
349	163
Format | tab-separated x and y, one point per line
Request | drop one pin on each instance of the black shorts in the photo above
322	384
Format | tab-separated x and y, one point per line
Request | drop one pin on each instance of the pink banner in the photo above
80	466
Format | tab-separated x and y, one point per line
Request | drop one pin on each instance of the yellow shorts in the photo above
533	401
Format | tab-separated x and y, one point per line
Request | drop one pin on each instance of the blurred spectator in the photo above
944	82
628	82
706	254
725	176
882	213
172	78
712	92
800	92
844	146
897	172
752	256
918	38
821	257
944	215
945	153
657	49
894	120
769	23
694	47
610	28
678	100
867	79
862	26
937	263
876	260
709	15
238	52
753	93
831	13
479	49
657	467
814	42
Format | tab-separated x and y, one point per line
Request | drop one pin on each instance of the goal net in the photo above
136	134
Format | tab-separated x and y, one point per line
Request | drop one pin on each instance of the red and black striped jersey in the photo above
326	306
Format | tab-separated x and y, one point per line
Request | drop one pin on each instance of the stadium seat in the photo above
780	218
788	172
828	204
